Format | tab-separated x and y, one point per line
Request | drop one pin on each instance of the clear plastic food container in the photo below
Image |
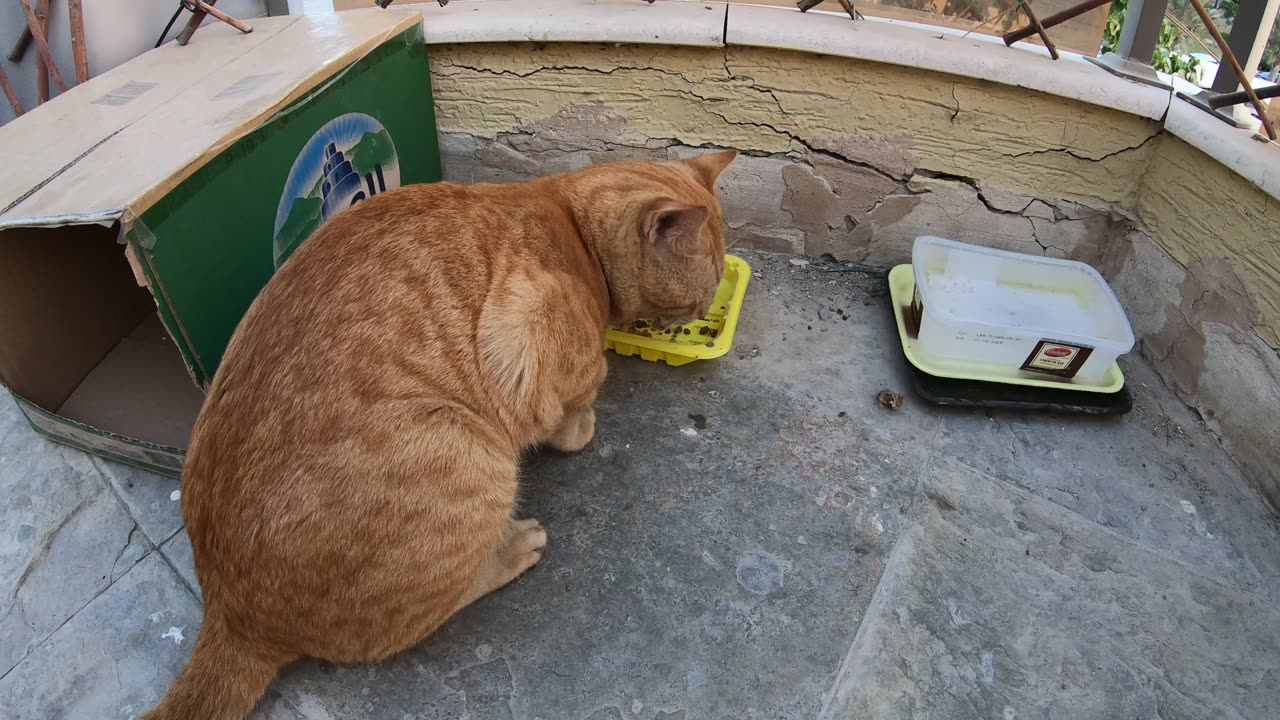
1050	317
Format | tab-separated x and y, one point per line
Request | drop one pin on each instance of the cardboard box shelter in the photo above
141	212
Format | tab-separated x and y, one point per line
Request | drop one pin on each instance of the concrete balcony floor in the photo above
752	537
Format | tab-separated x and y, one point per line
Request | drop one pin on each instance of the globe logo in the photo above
350	159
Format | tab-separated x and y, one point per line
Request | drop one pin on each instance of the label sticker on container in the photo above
1057	358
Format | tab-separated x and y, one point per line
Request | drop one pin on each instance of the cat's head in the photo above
667	252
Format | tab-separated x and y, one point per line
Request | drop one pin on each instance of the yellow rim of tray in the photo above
732	290
902	286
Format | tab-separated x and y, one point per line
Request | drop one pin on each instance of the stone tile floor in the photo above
746	538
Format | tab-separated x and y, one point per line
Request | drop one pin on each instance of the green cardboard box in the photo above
141	212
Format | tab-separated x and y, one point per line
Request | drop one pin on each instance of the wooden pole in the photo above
42	72
197	17
9	93
233	22
42	45
1230	57
78	50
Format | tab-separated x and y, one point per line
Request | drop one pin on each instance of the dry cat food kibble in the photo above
702	339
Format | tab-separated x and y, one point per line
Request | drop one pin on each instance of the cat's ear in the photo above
671	224
710	165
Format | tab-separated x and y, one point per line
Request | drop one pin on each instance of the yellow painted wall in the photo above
895	118
1198	209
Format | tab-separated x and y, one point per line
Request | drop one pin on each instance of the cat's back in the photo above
421	257
382	308
438	228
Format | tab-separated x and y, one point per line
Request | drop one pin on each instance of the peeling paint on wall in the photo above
1200	209
891	119
1194	327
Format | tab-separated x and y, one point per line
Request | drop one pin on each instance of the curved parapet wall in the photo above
858	137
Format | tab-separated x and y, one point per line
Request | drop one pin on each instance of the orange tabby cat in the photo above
351	479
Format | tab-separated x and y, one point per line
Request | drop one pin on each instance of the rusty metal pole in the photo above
1034	21
1055	19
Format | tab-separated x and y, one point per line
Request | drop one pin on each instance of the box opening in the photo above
83	339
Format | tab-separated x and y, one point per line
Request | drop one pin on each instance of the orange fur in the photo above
351	479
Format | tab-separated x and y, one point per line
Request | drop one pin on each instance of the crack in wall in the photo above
790	133
714	83
806	146
582	68
1072	153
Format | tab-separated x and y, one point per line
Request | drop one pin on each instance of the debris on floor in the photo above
889	399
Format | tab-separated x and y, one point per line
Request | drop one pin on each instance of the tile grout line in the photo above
156	546
111	487
181	578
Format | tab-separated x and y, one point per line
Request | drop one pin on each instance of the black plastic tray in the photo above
979	394
983	394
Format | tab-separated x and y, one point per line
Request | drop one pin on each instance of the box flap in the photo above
39	145
81	160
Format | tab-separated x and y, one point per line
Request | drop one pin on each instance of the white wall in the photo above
115	31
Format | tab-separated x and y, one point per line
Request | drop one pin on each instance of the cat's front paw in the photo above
576	431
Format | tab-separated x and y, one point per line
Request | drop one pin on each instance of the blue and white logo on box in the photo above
351	158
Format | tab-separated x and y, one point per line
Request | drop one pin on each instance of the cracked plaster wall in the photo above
854	160
847	158
1203	293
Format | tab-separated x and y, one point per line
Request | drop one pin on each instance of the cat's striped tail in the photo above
222	681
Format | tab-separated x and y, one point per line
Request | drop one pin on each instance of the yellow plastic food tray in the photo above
679	348
902	287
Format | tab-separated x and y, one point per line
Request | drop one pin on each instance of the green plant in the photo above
1166	59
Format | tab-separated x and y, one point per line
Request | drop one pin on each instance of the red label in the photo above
1057	358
